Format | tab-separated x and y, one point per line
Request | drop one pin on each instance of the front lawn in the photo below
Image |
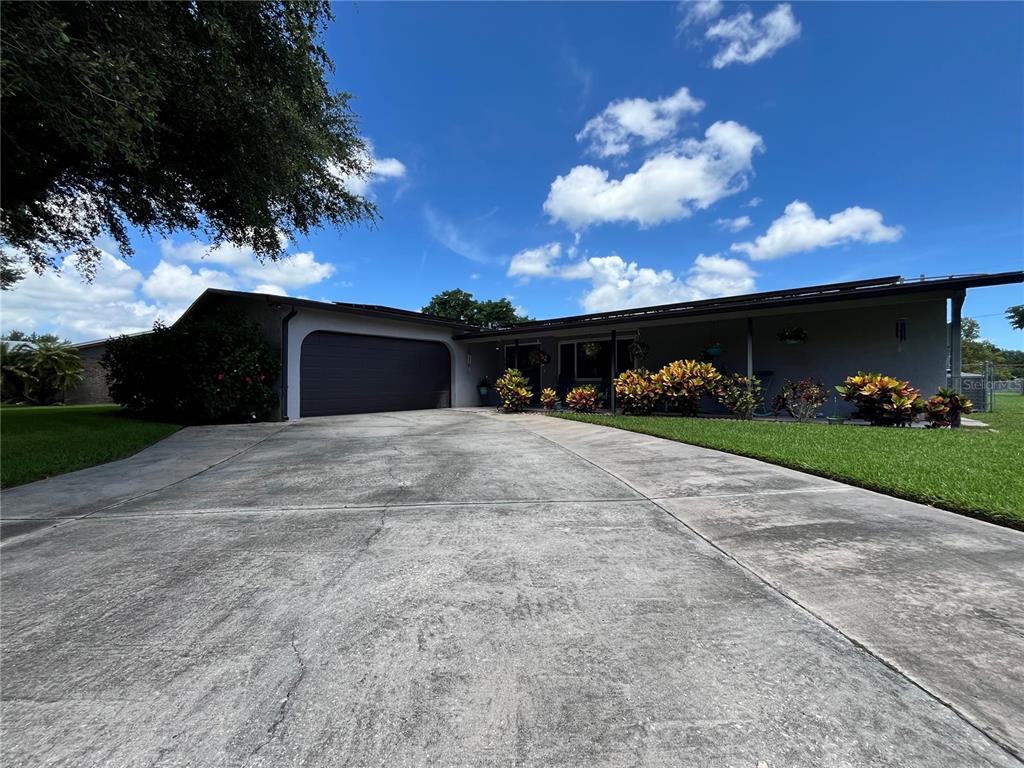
38	442
978	472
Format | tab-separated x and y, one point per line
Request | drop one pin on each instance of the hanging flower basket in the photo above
638	350
539	357
591	349
792	335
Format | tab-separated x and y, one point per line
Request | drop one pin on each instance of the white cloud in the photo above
273	290
60	301
798	230
734	225
753	202
698	12
297	270
178	283
535	262
666	187
618	284
381	168
746	39
609	134
121	299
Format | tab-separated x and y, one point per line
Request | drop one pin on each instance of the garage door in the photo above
349	373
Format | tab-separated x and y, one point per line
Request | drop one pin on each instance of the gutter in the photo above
284	361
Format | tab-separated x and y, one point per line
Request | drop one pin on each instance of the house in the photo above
352	358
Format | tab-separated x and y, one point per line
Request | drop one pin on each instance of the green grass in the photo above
977	472
38	442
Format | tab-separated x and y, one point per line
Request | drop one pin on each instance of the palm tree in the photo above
15	373
56	367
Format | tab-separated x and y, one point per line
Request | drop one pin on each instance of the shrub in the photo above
214	368
800	399
548	398
945	408
514	390
884	401
739	394
685	382
637	391
583	399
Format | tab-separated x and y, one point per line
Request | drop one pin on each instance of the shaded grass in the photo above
43	441
977	472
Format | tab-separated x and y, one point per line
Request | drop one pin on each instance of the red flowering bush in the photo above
216	368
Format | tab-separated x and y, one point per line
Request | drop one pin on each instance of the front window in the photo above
592	359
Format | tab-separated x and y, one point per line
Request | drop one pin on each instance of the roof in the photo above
893	285
366	310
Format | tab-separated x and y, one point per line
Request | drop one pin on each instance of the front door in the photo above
519	357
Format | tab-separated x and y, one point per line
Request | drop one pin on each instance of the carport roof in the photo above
892	285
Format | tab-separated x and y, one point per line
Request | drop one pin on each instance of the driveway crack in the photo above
282	711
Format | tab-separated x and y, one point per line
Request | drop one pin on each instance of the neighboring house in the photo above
354	358
93	388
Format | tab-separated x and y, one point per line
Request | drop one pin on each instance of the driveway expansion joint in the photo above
1007	747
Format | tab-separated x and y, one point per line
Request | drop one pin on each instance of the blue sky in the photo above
587	156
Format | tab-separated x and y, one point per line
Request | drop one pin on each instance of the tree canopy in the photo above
976	351
1015	315
460	305
210	117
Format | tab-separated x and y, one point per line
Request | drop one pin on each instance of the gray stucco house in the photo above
350	358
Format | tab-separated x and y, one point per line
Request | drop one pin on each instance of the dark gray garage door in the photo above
348	373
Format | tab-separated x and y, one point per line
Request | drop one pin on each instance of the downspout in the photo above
284	361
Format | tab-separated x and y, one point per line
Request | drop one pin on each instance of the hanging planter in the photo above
539	357
794	335
713	350
591	349
638	350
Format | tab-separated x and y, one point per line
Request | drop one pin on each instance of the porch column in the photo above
750	351
517	356
615	366
956	363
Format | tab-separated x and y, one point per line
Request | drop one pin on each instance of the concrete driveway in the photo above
462	588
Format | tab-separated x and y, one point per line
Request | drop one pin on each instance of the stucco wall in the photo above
309	320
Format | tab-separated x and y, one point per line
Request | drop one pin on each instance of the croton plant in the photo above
548	398
637	391
583	399
514	390
945	408
884	401
685	382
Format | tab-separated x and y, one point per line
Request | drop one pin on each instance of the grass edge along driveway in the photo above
43	441
976	472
